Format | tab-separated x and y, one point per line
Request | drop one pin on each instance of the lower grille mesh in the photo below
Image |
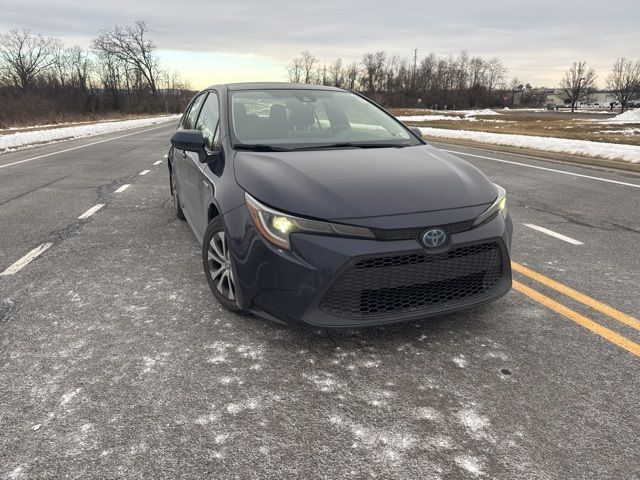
415	282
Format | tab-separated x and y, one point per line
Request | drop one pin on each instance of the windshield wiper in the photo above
260	148
353	145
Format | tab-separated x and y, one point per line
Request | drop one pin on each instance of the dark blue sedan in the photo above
315	205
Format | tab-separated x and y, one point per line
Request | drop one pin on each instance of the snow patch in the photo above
630	116
217	359
235	408
473	421
469	463
16	472
460	361
251	352
324	381
626	131
392	443
612	151
485	112
427	413
429	118
378	398
67	397
207	419
370	363
148	364
13	141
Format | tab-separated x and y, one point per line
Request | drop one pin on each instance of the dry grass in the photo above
537	124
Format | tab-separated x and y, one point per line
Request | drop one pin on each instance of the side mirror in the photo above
189	140
193	141
417	131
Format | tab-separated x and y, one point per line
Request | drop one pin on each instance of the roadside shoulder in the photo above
543	154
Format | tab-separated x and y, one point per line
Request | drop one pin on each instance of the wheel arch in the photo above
212	212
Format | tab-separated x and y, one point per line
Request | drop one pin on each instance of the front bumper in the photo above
344	282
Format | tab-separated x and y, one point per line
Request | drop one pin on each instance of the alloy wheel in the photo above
220	265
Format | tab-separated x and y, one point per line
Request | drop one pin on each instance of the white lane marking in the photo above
81	146
144	172
158	162
123	188
554	234
91	211
635	185
165	156
27	259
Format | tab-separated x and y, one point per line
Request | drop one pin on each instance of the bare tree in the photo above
25	56
130	45
82	66
62	67
495	73
308	61
477	72
294	69
337	73
624	81
352	75
577	81
111	74
374	66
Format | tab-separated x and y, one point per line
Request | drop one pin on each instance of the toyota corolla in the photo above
314	205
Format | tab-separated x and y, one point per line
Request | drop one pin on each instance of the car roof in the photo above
273	86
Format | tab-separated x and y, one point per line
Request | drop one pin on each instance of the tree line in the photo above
436	82
460	81
42	80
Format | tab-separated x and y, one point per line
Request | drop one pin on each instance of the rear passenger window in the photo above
190	122
208	120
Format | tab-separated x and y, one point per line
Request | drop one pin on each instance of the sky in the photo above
211	41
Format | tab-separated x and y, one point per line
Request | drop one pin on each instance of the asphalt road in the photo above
117	362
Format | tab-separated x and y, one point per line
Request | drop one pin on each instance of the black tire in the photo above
216	260
176	197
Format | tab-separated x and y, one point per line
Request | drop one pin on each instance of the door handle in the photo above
206	184
184	154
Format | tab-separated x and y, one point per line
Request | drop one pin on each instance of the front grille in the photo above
415	282
416	233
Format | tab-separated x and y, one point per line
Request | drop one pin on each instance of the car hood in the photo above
360	183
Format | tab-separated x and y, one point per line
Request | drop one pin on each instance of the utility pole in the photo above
415	64
415	67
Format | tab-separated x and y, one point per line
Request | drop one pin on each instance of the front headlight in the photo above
498	205
276	227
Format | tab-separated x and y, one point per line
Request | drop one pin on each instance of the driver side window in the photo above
208	121
190	120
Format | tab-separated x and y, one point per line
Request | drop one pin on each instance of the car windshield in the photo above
297	119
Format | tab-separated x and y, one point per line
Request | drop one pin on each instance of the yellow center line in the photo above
581	320
580	297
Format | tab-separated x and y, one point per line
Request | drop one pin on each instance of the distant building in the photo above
601	99
555	98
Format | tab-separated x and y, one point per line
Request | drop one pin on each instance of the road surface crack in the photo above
34	190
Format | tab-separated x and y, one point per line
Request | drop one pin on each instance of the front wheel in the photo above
217	260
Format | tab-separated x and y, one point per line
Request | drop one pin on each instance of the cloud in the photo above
536	40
